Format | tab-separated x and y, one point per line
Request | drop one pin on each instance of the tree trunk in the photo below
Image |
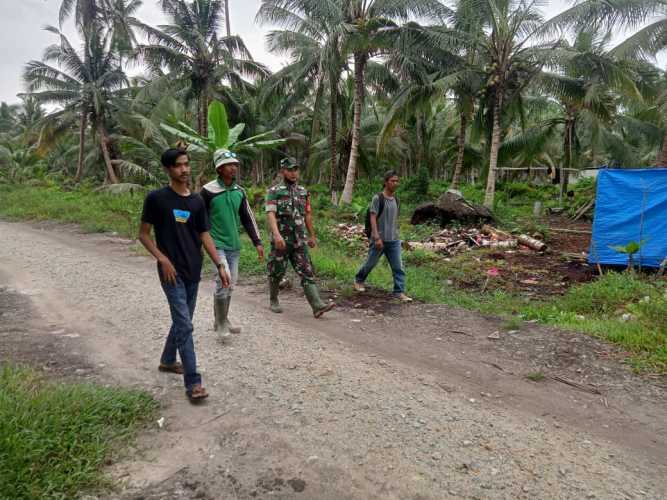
461	145
202	114
490	194
567	158
359	64
315	129
333	132
227	24
111	174
419	154
82	142
661	161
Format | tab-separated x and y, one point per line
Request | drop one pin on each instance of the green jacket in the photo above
228	208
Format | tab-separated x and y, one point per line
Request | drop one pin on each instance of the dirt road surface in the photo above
394	402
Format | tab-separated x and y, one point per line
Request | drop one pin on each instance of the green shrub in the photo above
516	189
415	190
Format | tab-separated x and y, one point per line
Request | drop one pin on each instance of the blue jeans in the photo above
182	298
392	251
230	258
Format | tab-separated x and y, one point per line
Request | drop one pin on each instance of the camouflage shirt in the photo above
290	203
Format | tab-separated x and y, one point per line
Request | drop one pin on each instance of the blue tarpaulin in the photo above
630	205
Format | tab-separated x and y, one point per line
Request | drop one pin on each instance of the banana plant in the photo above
220	136
630	250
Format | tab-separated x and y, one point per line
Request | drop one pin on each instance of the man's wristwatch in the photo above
219	265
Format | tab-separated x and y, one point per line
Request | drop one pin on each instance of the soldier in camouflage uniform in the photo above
289	214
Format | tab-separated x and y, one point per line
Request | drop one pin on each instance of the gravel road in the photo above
412	403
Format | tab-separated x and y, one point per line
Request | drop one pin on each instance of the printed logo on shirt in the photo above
181	216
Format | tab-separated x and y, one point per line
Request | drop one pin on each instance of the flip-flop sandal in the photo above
197	393
175	368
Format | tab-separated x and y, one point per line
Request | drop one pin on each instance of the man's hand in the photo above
260	252
279	242
378	244
312	242
224	277
168	271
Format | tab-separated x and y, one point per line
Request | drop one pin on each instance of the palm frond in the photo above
644	44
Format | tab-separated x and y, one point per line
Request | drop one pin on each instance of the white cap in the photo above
224	157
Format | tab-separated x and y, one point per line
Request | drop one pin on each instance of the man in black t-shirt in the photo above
181	227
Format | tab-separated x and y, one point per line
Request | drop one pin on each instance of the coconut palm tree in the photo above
373	29
83	85
514	51
29	118
119	15
227	20
661	160
199	60
311	37
417	67
650	16
586	86
115	15
87	13
644	123
469	80
444	62
16	160
8	117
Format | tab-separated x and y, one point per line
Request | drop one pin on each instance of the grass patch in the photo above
535	376
54	438
512	324
626	309
622	308
94	212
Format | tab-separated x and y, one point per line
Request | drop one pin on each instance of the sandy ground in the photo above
403	402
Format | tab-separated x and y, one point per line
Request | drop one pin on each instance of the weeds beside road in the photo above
55	437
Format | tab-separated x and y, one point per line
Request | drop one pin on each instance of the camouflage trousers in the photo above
297	256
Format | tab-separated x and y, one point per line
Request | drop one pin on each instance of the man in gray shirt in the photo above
384	238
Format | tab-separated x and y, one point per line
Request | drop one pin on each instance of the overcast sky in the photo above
22	37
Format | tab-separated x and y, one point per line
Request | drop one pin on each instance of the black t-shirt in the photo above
178	222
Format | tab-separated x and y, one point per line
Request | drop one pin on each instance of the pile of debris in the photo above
455	241
351	232
452	241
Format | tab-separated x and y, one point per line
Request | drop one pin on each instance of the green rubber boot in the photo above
274	290
313	296
230	326
220	308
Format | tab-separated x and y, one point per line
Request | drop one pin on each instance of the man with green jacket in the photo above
228	208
